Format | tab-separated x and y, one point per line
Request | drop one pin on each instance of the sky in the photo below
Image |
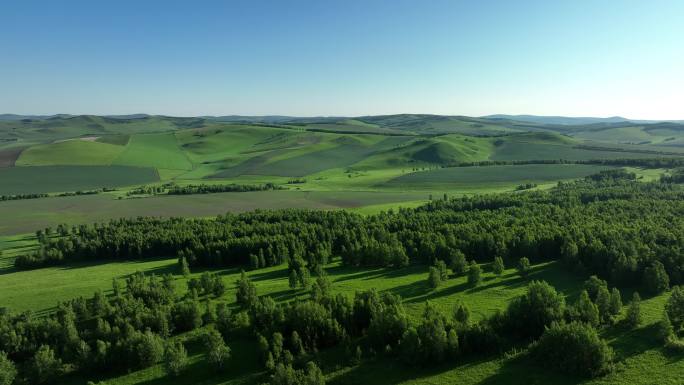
343	58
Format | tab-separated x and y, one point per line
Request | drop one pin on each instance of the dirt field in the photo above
9	156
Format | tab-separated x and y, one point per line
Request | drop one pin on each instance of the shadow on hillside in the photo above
348	273
273	274
523	371
392	370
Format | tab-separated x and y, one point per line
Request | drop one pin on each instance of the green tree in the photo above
587	311
434	278
665	329
7	369
655	278
593	285
175	358
45	367
528	315
183	267
615	302
474	274
246	294
313	375
442	268
458	262
218	353
634	317
573	348
462	314
498	266
523	267
293	279
603	304
150	349
674	307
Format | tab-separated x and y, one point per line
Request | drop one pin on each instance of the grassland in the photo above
490	176
70	152
42	179
154	150
30	215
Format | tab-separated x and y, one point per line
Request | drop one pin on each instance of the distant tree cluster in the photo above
526	186
662	162
218	188
22	196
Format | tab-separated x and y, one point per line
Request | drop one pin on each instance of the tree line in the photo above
626	232
15	197
174	189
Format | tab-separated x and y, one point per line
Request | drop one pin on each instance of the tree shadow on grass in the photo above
523	370
287	295
392	370
348	273
273	274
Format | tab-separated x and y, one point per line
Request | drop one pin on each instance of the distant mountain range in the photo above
282	119
571	121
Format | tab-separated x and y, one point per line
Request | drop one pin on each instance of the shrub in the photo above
474	274
529	314
498	266
434	278
634	311
523	267
175	358
7	370
45	367
573	348
655	278
675	307
218	353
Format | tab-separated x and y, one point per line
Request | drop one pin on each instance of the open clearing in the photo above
33	214
493	176
44	179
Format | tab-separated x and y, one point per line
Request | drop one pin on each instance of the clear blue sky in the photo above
324	57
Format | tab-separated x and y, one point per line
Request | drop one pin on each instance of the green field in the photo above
30	215
70	152
154	150
491	176
43	179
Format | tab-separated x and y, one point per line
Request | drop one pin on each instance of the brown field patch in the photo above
9	156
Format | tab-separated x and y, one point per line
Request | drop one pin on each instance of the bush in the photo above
458	262
498	266
474	274
45	366
434	278
655	278
523	267
246	294
218	353
175	358
675	307
149	348
573	348
528	315
634	311
7	370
